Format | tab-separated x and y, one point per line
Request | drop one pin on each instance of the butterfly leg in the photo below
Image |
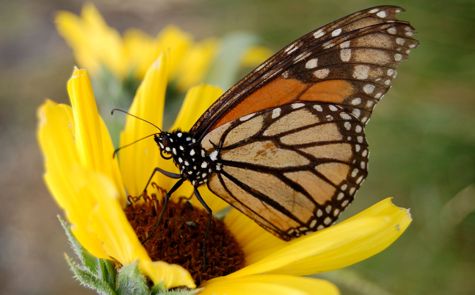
164	172
208	226
164	205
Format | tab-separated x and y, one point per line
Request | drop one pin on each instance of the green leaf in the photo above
107	271
226	65
131	281
88	279
86	259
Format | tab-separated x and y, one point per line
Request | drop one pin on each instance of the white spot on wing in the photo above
381	14
356	101
318	108
345	54
312	63
297	105
318	34
400	41
291	48
345	116
347	125
361	72
319	213
322	73
276	113
246	117
345	44
214	155
340	196
392	31
336	32
368	88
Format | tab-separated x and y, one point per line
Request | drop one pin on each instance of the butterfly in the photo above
286	145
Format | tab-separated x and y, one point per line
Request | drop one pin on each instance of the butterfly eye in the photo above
165	154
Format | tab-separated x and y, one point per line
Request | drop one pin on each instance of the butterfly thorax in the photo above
194	163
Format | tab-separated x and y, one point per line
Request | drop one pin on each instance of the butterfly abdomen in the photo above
194	163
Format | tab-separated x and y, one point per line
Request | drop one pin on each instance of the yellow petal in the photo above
70	27
171	275
140	51
253	239
94	43
195	63
138	161
255	55
269	285
338	246
105	41
55	135
197	101
93	143
175	43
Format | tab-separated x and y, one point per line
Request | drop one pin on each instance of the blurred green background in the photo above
422	136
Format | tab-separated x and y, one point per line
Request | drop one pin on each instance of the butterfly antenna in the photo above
116	151
136	117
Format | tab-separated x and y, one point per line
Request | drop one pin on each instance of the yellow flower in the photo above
88	184
95	44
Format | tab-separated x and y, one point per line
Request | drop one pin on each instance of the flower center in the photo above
183	237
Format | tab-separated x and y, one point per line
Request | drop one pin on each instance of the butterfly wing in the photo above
289	136
351	61
293	168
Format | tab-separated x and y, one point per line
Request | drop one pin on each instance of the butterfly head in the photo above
189	156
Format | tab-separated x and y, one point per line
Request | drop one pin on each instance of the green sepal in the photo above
87	260
89	279
131	281
112	92
106	271
159	289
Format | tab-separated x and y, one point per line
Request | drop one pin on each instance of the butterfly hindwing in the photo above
350	62
292	168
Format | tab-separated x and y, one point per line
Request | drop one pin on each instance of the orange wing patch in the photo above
335	91
278	92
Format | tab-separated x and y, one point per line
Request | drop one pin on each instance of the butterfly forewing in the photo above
350	61
292	168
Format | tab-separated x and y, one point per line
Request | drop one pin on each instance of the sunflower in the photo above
92	188
97	46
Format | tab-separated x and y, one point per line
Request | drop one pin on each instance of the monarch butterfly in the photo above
286	144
